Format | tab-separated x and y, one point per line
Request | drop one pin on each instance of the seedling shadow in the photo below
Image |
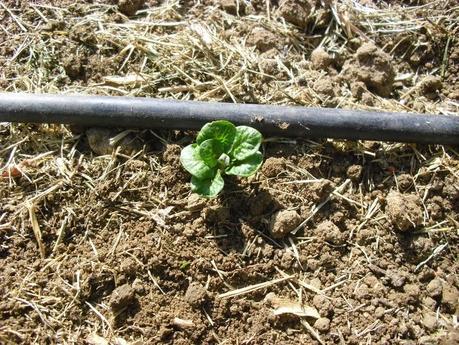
245	207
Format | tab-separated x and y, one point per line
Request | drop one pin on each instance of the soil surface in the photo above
331	242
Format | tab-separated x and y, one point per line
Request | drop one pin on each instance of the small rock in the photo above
454	94
171	154
138	286
195	203
122	297
74	66
363	292
365	236
267	64
404	210
130	7
318	192
188	231
196	295
53	25
426	274
429	321
355	43
283	222
451	192
418	106
422	244
368	99
434	288
128	266
316	283
372	281
99	140
320	59
322	324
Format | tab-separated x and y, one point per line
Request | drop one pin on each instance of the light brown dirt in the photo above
283	222
373	67
295	12
404	210
262	39
320	59
128	255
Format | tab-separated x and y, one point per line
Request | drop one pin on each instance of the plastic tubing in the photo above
284	121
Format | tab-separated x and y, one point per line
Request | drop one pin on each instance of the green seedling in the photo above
221	148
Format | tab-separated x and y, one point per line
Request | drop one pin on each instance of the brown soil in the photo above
101	241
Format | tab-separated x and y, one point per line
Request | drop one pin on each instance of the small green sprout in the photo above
221	148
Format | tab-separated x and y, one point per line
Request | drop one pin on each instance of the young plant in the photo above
221	148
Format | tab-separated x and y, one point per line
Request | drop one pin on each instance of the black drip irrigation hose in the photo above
284	121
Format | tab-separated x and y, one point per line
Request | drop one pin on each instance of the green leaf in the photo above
193	163
246	167
222	130
209	151
246	143
208	188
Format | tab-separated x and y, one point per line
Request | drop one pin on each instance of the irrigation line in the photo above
285	121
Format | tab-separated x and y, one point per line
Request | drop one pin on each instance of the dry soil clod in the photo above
283	222
123	296
373	67
196	295
430	86
329	232
234	7
404	210
273	166
130	7
320	59
322	324
295	12
434	288
262	39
